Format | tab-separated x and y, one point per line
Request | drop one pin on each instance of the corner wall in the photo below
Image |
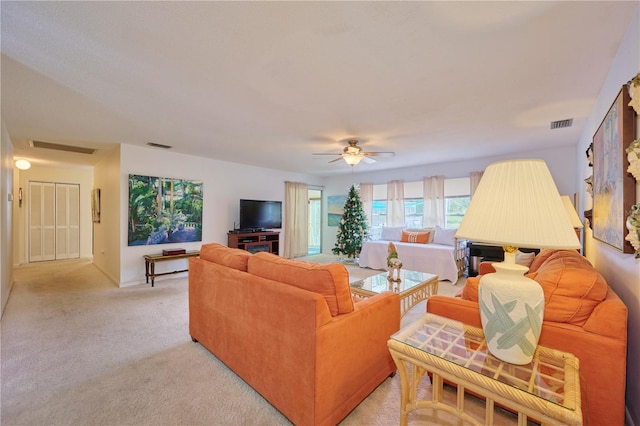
106	236
6	206
622	271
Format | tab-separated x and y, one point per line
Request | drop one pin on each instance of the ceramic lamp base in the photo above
511	311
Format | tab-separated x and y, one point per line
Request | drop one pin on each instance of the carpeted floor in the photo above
77	350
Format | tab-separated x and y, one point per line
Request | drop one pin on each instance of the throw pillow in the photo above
524	259
392	233
415	237
444	236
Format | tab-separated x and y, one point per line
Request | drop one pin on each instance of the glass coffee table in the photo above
413	288
547	390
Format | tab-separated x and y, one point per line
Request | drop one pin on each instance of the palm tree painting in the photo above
164	210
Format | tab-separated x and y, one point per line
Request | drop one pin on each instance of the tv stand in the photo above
255	241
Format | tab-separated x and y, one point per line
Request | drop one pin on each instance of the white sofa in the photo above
444	256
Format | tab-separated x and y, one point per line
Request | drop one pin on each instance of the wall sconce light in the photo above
23	164
20	197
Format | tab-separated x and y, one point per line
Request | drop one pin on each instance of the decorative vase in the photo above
511	311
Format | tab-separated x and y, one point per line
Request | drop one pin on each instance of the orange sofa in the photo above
291	330
582	316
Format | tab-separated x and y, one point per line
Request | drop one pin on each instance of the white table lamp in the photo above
515	205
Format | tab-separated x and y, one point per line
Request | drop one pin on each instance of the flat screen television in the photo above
257	215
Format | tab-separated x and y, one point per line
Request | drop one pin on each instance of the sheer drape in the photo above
433	193
366	196
296	219
395	203
474	180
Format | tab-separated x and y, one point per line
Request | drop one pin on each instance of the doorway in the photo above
54	221
315	221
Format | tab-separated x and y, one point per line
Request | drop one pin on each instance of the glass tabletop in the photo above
379	283
465	346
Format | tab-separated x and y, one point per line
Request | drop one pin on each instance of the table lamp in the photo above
573	215
516	204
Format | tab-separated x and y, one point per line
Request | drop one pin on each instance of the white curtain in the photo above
366	196
433	193
395	203
474	180
296	219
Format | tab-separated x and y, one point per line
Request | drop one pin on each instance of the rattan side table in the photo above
546	390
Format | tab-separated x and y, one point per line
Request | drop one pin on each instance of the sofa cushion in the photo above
545	254
572	287
225	256
415	237
331	281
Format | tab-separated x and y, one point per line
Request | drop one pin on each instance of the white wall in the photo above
6	183
224	184
622	271
106	238
82	175
561	163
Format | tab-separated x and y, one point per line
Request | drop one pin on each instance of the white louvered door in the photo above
67	221
54	221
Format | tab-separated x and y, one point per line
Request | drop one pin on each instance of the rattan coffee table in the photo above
414	287
546	390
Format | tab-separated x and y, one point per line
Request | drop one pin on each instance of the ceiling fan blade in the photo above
324	153
337	159
379	154
368	160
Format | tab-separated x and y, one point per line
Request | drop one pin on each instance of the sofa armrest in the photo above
455	308
352	356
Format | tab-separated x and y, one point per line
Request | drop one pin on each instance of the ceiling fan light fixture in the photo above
352	159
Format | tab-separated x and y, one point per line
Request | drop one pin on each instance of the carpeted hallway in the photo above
77	350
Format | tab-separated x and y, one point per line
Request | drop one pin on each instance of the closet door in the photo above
54	221
67	221
42	245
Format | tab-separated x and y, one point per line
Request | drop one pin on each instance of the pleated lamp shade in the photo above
517	203
571	211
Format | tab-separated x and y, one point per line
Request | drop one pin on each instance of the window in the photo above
456	202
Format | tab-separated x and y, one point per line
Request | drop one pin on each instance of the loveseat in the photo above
291	330
582	316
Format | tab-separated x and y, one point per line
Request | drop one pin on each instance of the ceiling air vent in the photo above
159	145
561	123
60	147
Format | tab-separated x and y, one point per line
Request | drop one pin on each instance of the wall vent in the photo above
60	147
159	145
561	123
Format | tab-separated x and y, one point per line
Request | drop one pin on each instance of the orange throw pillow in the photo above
415	237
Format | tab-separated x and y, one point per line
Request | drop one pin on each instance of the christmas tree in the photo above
352	228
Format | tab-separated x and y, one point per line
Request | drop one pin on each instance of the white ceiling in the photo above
270	83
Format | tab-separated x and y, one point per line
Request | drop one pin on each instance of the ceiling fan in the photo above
353	154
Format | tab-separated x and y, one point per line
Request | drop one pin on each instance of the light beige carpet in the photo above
77	350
